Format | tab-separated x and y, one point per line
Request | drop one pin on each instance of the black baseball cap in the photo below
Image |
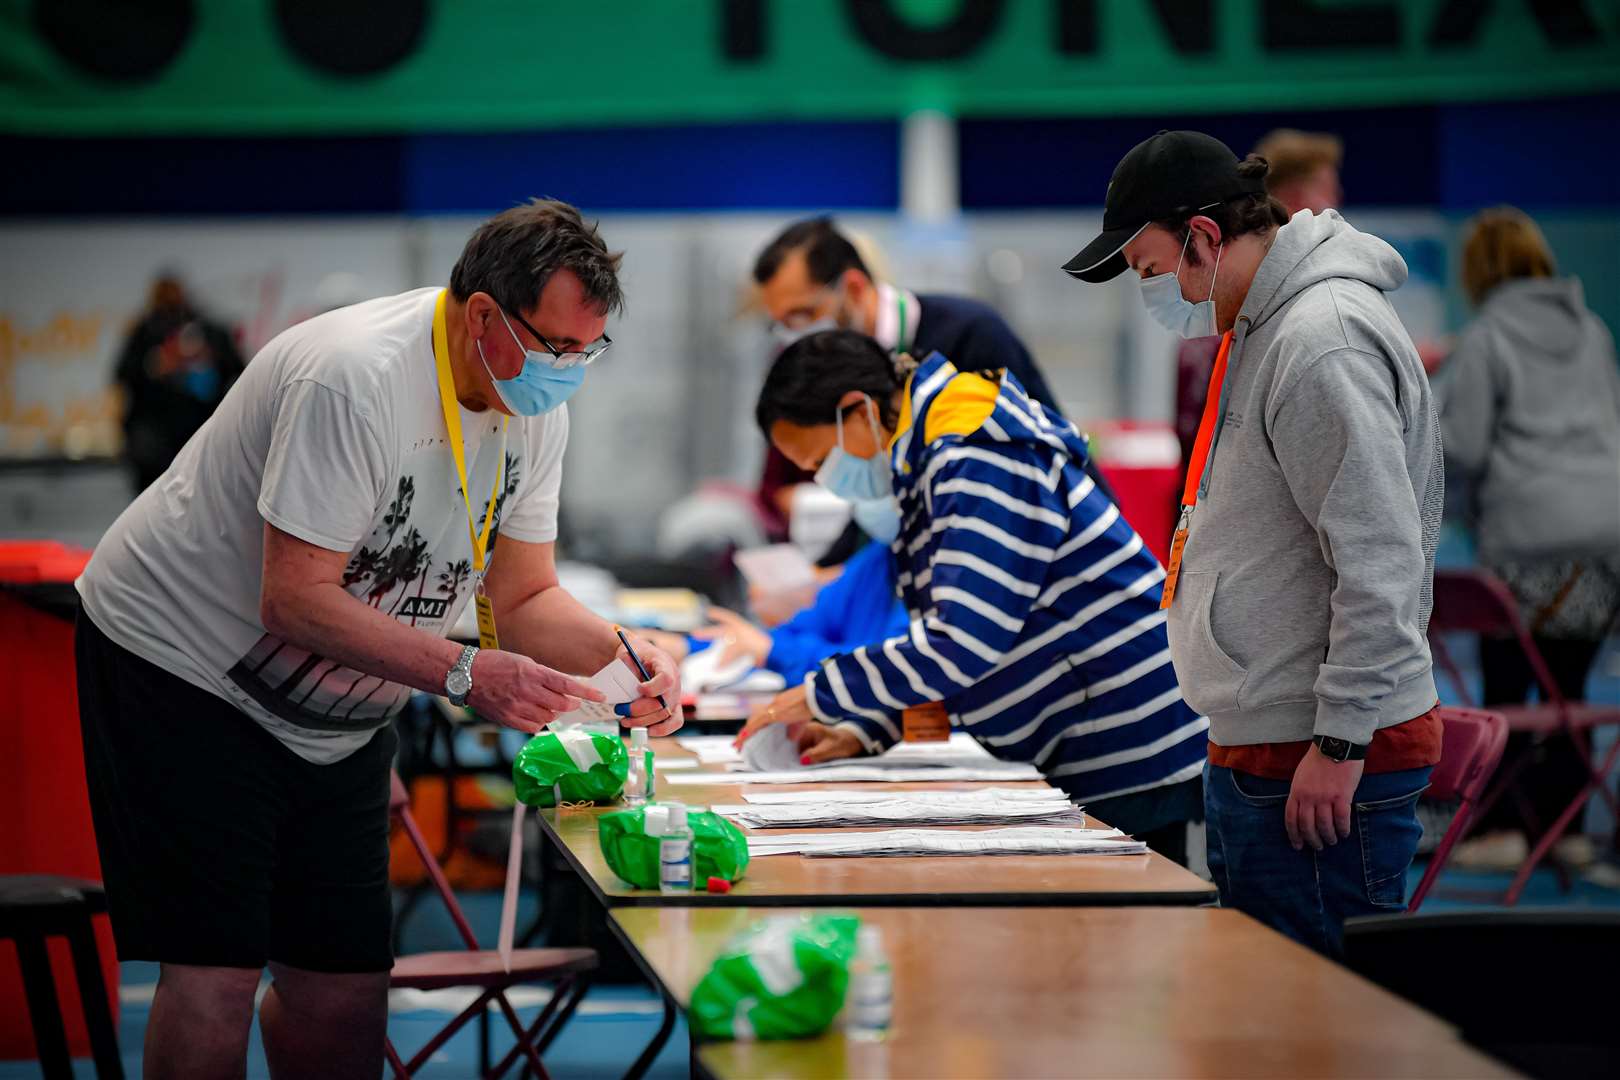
1173	173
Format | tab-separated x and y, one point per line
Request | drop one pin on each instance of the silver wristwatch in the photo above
458	682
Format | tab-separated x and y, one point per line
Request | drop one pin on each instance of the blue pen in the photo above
646	676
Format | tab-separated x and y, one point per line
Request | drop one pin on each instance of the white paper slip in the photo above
1023	840
862	774
776	567
960	748
901	811
771	749
878	794
702	671
617	683
710	749
667	764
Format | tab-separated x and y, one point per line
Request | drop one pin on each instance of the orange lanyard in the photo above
1198	465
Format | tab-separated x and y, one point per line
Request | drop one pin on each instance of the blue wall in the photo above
1552	154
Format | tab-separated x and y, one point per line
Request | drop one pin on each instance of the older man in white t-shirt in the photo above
258	615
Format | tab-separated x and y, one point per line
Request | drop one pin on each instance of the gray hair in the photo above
513	254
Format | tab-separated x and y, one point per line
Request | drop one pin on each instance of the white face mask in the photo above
1174	312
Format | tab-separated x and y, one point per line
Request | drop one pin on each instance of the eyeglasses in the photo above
559	358
797	320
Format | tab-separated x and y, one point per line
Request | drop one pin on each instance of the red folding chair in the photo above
1477	601
1471	751
565	968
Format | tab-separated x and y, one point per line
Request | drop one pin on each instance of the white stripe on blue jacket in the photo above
1034	604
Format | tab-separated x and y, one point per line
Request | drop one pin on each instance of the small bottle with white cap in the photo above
639	782
675	852
870	1001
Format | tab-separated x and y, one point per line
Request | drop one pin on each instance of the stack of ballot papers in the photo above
1025	840
841	773
990	806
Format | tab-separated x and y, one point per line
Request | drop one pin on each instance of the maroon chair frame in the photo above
567	969
1477	601
1472	749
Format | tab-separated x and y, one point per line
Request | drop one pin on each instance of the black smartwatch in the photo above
1340	750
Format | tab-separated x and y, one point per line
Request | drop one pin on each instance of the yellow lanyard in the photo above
452	424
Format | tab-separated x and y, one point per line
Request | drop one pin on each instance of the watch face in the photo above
458	682
1337	749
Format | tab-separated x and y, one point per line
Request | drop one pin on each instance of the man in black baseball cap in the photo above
1300	578
1172	173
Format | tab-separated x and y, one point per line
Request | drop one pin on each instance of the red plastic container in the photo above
44	807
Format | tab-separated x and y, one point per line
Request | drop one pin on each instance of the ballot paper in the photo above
856	774
775	568
969	808
878	794
710	749
703	672
1023	840
617	683
770	749
960	749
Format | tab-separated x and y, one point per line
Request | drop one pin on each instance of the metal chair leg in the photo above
93	1000
39	987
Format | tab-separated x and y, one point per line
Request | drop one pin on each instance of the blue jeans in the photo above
1308	894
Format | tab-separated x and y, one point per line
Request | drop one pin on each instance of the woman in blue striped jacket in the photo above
1034	605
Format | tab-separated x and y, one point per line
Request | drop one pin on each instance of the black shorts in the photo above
220	846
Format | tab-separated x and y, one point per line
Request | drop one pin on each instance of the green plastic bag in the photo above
719	849
782	978
588	767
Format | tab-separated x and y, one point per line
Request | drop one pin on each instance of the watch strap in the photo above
1336	749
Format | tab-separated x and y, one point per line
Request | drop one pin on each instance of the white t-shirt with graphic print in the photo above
333	434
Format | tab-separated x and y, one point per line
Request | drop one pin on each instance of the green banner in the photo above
288	66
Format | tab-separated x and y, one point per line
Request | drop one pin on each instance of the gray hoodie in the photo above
1530	403
1307	577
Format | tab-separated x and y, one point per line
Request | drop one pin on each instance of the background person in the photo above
252	624
857	607
174	370
1531	415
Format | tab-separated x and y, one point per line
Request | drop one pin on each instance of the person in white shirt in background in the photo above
253	621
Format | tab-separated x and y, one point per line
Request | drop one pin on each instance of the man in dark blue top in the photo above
811	278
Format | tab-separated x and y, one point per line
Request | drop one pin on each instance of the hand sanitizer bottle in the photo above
870	1003
675	854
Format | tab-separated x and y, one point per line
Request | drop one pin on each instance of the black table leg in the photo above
656	1047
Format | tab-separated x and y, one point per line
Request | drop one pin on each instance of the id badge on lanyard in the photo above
1198	467
487	638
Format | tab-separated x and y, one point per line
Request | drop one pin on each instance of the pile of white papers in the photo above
878	794
960	749
1027	840
960	808
833	773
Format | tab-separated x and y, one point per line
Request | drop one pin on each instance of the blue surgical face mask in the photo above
1174	312
539	386
854	479
879	518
